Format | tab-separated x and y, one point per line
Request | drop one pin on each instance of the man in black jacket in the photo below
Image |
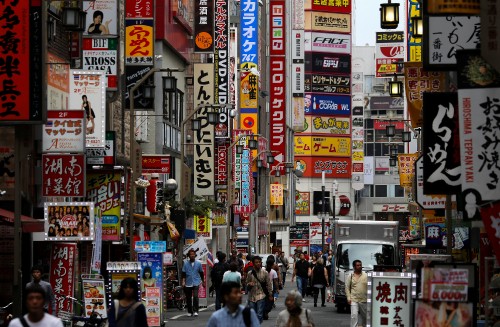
216	275
302	270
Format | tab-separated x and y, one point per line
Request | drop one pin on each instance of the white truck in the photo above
372	242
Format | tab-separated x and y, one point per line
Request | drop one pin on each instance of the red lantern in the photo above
154	195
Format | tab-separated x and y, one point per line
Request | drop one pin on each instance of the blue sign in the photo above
327	105
242	242
249	35
151	246
151	270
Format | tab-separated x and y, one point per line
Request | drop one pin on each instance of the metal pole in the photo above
323	210
449	226
17	285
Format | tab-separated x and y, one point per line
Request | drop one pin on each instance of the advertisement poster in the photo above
101	54
64	131
390	53
151	270
445	284
276	194
62	278
278	112
151	246
315	166
322	104
322	146
139	41
94	294
299	231
300	245
331	84
116	279
336	126
452	314
104	189
69	221
302	203
63	175
153	305
88	93
101	18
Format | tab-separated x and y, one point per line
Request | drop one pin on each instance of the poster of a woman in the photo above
89	115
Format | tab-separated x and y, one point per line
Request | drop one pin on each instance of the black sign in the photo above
300	231
475	72
389	37
328	63
441	143
132	75
204	26
386	103
357	111
319	83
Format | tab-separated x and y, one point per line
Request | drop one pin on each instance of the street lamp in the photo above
390	130
389	15
417	26
395	87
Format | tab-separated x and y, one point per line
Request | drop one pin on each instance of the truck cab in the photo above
375	243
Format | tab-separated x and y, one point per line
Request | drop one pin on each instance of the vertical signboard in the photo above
414	44
88	93
151	284
63	175
277	133
204	170
64	131
204	26
242	175
62	278
297	76
390	53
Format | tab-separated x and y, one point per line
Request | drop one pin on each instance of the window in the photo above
369	149
367	191
380	191
399	192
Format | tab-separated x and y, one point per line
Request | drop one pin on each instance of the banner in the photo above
204	26
406	164
64	131
327	42
62	277
88	93
325	146
315	166
440	144
63	175
431	314
101	54
328	22
489	36
222	92
302	203
69	221
417	81
203	226
276	194
151	285
203	140
104	189
335	126
277	101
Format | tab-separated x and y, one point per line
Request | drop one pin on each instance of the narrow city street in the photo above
322	316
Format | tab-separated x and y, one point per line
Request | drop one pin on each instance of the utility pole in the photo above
323	211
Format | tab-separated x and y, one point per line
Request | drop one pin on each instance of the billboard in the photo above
414	45
88	93
64	131
101	18
63	175
331	84
327	63
69	221
332	125
139	41
344	6
328	22
204	26
322	104
389	56
277	103
327	42
333	167
325	146
242	198
101	54
221	54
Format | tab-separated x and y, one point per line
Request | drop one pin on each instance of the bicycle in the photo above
5	315
95	319
175	294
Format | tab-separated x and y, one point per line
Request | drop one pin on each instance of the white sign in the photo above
369	167
389	299
390	208
123	265
479	140
327	42
101	54
298	46
101	17
63	132
88	93
200	247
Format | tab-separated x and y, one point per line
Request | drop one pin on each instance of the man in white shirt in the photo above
36	316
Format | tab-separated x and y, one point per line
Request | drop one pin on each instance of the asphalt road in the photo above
322	316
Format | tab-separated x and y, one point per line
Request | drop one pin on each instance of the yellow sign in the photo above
276	194
328	22
414	44
407	169
249	90
203	226
328	125
139	42
357	156
325	146
249	122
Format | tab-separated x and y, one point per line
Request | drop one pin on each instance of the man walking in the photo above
192	278
356	292
217	274
35	302
283	264
233	314
234	258
260	287
302	270
50	301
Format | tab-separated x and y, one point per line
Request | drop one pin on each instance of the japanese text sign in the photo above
315	166
462	7
244	204
62	278
414	44
490	38
315	232
277	126
445	284
142	9
331	84
407	169
151	246
328	22
159	164
204	26
64	131
88	93
139	41
479	138
249	34
101	54
277	44
69	221
221	164
203	226
104	189
426	201
446	35
390	55
299	231
221	56
302	203
343	6
276	194
389	299
322	146
63	175
332	125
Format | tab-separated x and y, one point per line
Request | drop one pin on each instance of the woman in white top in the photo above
232	275
294	315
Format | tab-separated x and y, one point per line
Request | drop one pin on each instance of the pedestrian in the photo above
260	288
283	263
247	269
294	315
192	278
50	301
319	282
235	258
356	290
329	266
302	270
306	256
233	314
273	276
232	275
36	298
217	275
127	310
217	254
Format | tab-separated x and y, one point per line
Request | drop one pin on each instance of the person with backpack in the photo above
217	274
260	288
294	315
273	276
233	314
319	281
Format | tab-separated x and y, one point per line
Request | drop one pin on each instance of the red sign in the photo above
491	219
62	279
63	175
343	6
382	124
333	167
159	164
277	23
154	195
139	9
277	134
221	172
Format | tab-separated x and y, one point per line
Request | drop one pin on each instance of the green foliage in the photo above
195	205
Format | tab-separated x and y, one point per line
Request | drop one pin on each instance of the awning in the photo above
29	224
